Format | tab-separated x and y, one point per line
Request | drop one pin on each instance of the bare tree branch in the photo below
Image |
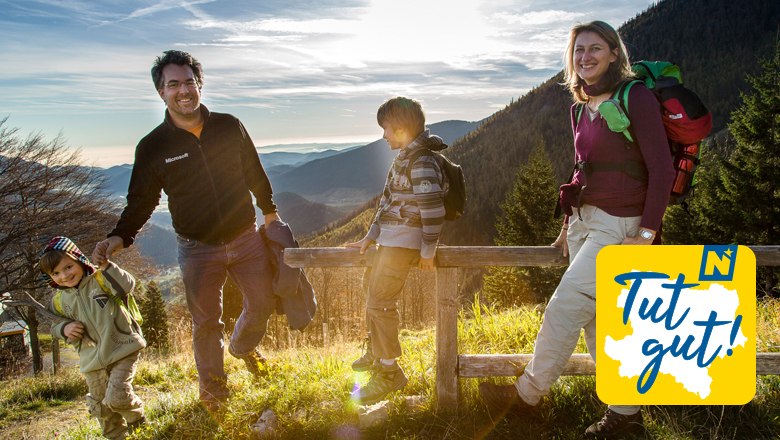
31	302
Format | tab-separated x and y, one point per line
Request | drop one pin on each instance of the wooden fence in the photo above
449	259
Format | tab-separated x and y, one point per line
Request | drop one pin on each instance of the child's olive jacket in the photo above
115	333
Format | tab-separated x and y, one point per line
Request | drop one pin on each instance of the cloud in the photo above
537	18
282	61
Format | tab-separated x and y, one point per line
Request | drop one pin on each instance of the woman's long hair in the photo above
618	71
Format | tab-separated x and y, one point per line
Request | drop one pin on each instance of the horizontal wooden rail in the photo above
580	364
449	259
487	365
469	256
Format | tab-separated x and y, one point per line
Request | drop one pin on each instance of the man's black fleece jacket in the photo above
207	180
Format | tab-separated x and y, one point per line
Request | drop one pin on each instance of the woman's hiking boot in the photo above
368	361
385	380
501	399
614	425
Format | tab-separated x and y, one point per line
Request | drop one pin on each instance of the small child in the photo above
108	340
406	227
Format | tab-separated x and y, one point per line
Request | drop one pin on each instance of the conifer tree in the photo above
526	220
750	177
738	198
749	195
155	326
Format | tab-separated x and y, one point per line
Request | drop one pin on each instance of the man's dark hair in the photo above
177	57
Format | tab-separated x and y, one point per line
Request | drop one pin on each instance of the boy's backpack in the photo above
686	120
128	304
454	182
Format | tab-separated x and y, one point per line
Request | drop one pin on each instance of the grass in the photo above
24	398
308	389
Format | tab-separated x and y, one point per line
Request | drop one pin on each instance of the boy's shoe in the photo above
614	425
500	399
255	362
368	361
386	379
131	427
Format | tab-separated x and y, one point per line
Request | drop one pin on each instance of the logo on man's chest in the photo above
175	158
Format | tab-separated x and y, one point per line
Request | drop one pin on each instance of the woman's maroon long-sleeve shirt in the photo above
616	192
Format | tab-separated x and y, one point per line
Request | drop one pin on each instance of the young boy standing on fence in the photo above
406	227
107	338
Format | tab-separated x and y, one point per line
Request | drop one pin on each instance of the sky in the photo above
293	71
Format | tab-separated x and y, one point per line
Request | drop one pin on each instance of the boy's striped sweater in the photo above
411	214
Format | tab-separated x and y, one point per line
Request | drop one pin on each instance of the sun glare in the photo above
414	31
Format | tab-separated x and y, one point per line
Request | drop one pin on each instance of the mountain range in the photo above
353	177
717	43
311	189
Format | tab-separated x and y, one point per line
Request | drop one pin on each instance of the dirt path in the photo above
50	423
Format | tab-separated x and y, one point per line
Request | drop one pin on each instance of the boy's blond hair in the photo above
402	113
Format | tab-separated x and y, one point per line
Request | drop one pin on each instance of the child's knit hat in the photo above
60	243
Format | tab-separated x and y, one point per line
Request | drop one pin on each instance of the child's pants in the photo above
111	398
386	279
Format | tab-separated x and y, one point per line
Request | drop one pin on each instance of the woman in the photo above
604	205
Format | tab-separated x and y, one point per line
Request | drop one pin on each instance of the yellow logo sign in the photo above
676	325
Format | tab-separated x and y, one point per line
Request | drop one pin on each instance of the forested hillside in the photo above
716	42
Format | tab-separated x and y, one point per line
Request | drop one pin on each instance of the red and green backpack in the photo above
686	120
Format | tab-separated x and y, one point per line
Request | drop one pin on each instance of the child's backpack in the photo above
686	120
454	181
128	304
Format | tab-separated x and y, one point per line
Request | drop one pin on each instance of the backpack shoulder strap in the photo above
128	303
416	155
101	280
621	96
56	303
103	283
622	93
576	114
420	152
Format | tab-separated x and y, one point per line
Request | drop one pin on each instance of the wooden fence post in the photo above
55	355
447	338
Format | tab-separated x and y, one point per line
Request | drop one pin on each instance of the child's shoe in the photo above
386	379
368	361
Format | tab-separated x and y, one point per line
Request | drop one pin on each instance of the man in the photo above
207	165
